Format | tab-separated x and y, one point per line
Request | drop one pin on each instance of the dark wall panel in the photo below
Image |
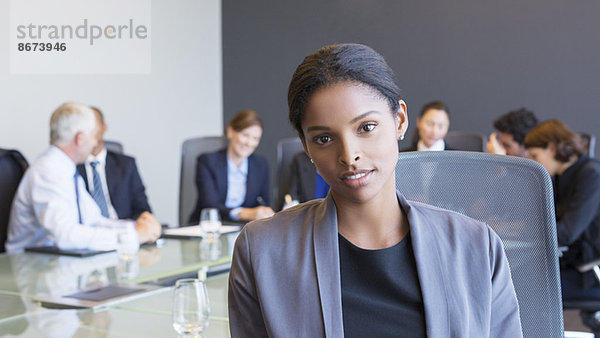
483	58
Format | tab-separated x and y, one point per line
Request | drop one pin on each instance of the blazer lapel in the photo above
222	174
109	168
327	263
251	181
430	270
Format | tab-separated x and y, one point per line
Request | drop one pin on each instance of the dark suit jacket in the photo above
302	179
125	187
577	200
211	181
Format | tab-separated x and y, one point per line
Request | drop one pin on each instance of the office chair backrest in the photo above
12	168
589	141
287	148
190	150
114	146
466	141
514	197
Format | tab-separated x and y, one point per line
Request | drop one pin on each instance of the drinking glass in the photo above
210	221
190	307
210	250
128	242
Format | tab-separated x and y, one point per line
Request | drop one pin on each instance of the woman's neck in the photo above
564	166
376	224
237	160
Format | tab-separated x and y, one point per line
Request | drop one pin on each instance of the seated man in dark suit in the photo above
113	180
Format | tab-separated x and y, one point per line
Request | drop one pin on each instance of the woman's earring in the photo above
311	161
401	137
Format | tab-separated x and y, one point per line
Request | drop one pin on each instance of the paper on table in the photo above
196	231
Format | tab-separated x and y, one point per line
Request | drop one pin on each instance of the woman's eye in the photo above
322	139
367	127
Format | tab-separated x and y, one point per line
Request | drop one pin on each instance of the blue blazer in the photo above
211	181
125	188
285	275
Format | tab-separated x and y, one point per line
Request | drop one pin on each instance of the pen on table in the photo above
260	201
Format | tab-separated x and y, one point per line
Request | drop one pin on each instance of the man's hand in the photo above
250	214
148	228
493	146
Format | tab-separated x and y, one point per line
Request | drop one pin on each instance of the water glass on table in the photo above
128	242
210	222
191	307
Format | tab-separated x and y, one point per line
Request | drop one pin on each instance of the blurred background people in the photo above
576	179
511	129
305	182
113	180
51	206
432	126
235	180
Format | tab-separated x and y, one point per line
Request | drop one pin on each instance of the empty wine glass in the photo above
190	307
210	221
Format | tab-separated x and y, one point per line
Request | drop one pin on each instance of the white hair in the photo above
68	120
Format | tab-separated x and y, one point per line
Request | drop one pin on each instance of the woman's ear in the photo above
229	132
401	120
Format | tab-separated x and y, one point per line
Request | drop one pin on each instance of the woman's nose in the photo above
348	154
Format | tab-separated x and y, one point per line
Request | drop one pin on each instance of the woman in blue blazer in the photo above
432	127
235	180
364	261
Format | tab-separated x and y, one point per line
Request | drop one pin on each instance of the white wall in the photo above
150	114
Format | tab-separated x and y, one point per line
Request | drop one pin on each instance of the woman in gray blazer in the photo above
364	261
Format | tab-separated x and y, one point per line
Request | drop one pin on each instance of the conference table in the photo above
25	276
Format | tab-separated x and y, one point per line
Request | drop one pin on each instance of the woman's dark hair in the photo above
333	64
245	119
435	105
567	142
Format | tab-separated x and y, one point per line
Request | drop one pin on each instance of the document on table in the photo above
196	231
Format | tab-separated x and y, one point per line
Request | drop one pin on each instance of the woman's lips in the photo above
356	179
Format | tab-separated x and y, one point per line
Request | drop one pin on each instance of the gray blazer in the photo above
285	275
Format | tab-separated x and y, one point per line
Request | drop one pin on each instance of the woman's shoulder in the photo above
212	156
290	221
430	218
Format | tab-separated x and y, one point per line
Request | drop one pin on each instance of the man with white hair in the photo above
52	207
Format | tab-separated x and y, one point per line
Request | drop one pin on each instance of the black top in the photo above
577	199
381	294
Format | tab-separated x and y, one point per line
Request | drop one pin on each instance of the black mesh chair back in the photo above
466	141
190	150
589	142
514	197
12	168
287	148
114	146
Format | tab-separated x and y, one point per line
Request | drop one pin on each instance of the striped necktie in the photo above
98	193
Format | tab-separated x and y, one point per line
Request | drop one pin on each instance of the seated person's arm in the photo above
245	314
139	202
581	210
208	194
493	146
58	215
